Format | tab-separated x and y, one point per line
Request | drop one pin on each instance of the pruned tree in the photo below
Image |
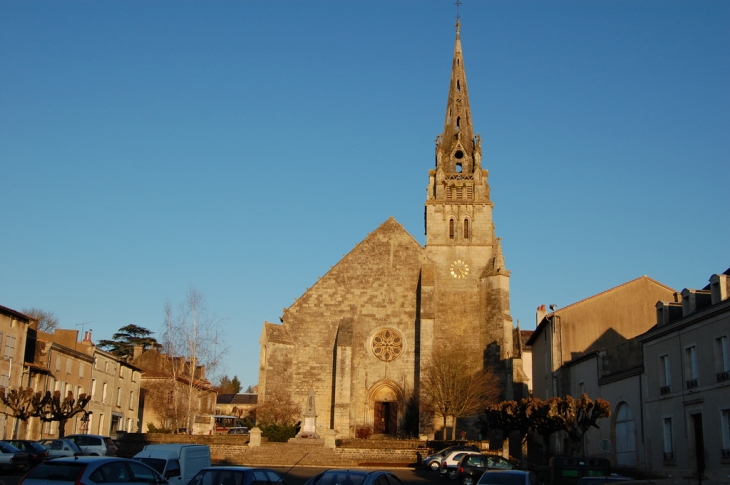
123	342
55	408
453	387
47	321
193	338
581	415
26	403
22	403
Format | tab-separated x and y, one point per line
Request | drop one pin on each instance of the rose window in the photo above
387	344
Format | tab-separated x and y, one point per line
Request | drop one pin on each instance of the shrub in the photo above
278	433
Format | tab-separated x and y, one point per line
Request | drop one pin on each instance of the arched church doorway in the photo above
384	397
386	417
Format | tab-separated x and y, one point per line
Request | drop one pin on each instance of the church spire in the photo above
458	149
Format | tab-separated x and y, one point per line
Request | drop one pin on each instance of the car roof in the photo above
87	459
351	470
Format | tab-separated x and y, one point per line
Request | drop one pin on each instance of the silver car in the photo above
61	447
508	477
94	444
89	470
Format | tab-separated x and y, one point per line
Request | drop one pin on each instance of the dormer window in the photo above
451	229
458	168
466	228
458	85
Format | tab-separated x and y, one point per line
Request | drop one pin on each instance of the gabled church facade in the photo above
360	336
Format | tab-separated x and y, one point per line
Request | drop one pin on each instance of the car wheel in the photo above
452	474
467	481
434	465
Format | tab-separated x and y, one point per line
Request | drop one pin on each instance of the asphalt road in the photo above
299	475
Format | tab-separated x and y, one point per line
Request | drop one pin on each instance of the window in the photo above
665	376
691	367
4	380
106	366
725	423
103	393
722	359
131	399
81	371
58	364
668	439
134	376
93	388
10	346
121	372
466	228
101	424
451	229
119	396
68	366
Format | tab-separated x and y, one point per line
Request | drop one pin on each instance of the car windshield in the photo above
341	478
157	463
8	448
57	471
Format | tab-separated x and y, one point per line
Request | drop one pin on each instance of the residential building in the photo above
586	347
13	330
239	405
686	386
173	391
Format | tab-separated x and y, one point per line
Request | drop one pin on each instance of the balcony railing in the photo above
693	383
723	376
665	390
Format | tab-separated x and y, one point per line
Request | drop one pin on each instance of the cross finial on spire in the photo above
458	17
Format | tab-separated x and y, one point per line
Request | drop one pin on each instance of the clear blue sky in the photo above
243	147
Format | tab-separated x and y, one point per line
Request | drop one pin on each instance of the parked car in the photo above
94	445
508	477
236	475
354	477
37	453
12	459
91	469
238	430
602	480
61	447
177	462
433	461
451	460
471	467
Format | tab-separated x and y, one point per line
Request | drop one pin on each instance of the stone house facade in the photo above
686	386
13	331
360	336
172	393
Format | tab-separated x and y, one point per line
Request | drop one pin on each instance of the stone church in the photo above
359	337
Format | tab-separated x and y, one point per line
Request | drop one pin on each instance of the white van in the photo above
177	462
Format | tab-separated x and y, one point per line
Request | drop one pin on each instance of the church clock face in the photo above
459	269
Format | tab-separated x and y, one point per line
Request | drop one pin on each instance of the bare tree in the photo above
47	321
453	387
192	338
26	403
279	410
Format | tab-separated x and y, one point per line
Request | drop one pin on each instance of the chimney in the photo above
541	312
136	351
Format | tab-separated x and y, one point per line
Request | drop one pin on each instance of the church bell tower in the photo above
465	285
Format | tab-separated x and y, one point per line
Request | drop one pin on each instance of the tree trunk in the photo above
443	433
546	449
62	428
